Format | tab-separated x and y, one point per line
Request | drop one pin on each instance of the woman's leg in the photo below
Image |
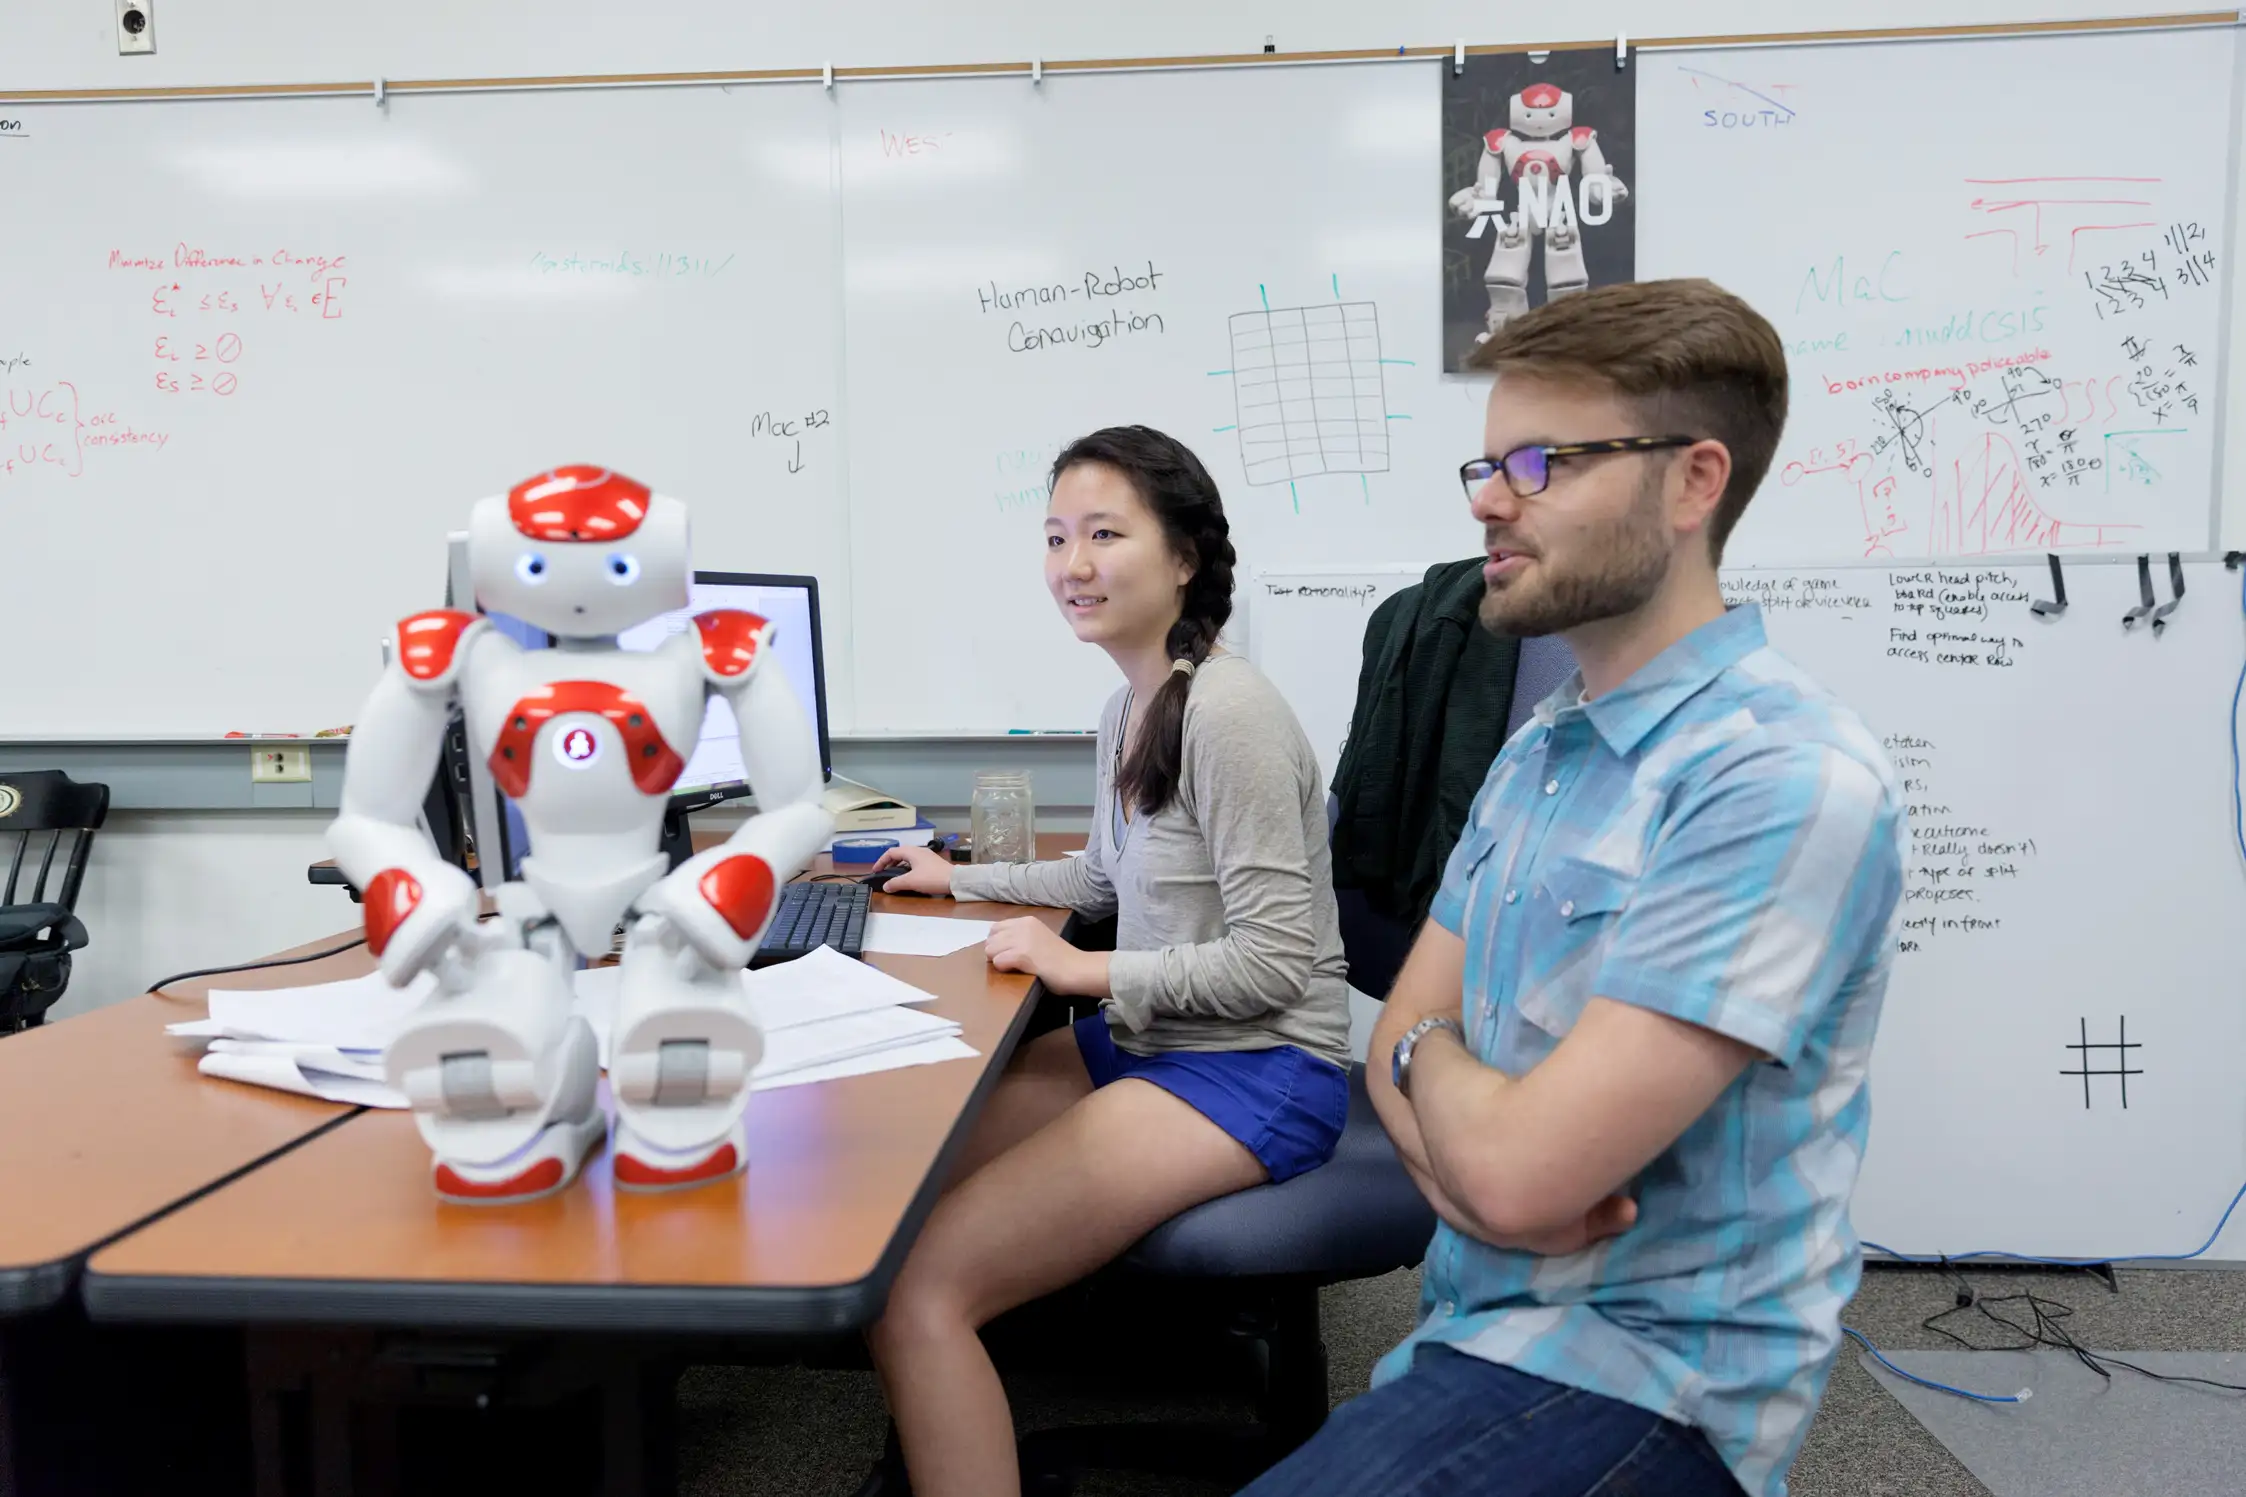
1045	1079
1044	1213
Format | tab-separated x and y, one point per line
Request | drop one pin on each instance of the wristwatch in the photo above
1400	1063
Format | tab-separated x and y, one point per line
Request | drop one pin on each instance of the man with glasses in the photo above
1626	1058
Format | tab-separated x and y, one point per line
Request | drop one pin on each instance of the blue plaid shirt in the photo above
1718	840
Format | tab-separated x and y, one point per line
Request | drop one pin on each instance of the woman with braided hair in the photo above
1217	1058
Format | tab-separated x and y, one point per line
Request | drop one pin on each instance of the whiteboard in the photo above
264	355
1307	633
1024	264
2073	882
2002	298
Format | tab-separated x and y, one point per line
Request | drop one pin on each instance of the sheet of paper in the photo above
807	996
801	1045
922	935
823	985
284	1074
365	1065
357	1013
925	1053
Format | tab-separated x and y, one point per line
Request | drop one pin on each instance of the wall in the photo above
174	890
167	892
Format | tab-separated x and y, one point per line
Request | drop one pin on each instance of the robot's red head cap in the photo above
1541	96
577	503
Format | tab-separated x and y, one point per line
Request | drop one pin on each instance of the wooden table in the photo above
345	1230
105	1124
367	1299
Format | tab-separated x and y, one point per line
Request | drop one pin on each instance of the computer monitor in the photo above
714	772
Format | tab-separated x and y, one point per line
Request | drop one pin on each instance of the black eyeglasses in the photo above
1528	470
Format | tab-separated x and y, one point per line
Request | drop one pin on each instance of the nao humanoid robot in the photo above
587	739
1536	154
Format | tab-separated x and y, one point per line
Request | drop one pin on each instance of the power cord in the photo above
2045	1330
279	961
283	961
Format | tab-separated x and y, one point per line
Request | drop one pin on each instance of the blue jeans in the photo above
1457	1426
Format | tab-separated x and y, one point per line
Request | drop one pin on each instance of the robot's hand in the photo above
1616	186
414	914
719	901
1462	202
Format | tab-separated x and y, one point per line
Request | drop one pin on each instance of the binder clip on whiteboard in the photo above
2144	609
2176	588
2055	605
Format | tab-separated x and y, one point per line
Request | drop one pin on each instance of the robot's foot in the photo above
548	1163
642	1166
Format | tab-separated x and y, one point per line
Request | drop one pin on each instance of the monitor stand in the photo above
678	837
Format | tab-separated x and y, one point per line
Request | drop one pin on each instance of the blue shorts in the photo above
1285	1106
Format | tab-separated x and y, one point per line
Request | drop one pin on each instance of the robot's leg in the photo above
501	1075
679	1063
684	1043
1564	270
1506	278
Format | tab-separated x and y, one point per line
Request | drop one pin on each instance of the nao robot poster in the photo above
1539	166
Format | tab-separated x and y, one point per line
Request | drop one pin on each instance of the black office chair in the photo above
47	826
1268	1250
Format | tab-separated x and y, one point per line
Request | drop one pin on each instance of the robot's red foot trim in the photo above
634	1173
540	1168
546	1175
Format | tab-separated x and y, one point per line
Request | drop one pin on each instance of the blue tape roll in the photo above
861	849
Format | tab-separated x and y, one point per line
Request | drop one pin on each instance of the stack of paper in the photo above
824	1016
322	1041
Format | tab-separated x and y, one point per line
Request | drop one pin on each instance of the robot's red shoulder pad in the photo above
1495	140
429	644
1582	136
732	641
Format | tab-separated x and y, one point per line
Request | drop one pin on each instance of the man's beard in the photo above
1624	562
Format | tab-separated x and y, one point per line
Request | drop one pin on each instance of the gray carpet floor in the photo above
797	1432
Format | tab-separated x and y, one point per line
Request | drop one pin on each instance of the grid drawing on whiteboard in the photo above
1307	388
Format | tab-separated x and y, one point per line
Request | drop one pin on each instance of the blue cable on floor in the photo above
2020	1397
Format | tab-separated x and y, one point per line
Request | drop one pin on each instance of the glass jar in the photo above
1003	817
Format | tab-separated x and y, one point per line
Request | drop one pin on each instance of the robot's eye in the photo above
531	568
623	570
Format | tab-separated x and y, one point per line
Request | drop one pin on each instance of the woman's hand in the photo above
927	871
1027	944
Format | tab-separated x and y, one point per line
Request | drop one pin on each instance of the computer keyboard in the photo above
815	915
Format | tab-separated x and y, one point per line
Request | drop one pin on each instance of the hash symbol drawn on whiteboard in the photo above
1306	383
2115	1064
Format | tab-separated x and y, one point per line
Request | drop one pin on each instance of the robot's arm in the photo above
416	903
1489	184
722	899
1593	161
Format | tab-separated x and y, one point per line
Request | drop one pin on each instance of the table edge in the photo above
716	1308
27	1289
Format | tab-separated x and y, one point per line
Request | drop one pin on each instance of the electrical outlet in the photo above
136	26
287	765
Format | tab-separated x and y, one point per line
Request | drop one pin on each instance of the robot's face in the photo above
579	552
1542	111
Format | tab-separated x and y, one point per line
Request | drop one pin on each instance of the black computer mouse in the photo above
879	882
